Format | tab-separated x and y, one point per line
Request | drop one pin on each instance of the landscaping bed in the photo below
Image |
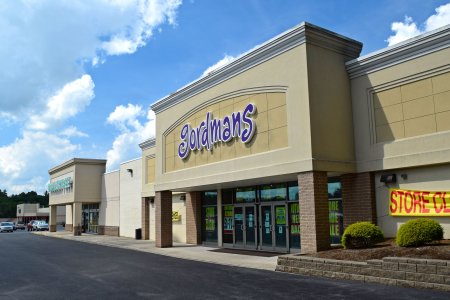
439	250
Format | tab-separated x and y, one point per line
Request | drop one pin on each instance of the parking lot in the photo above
38	267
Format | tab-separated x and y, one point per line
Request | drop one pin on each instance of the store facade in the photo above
290	143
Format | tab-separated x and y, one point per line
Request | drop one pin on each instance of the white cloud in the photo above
408	28
224	61
72	131
66	103
32	154
46	47
132	130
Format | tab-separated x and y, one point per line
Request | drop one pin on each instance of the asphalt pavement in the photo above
40	267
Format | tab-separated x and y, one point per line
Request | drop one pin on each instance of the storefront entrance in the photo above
90	218
274	233
245	227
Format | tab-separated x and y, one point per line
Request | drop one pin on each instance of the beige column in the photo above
69	214
145	211
76	218
314	212
193	218
163	219
52	218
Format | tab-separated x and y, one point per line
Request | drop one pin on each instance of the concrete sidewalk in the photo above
183	251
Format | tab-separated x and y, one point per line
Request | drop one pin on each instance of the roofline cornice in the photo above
302	33
150	143
74	161
410	49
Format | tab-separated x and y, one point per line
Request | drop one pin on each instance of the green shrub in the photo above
361	235
418	232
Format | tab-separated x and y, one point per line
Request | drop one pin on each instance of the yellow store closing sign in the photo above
419	203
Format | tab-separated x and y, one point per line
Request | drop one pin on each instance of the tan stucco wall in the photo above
435	178
430	148
148	164
130	197
69	216
110	204
330	110
88	183
271	130
286	72
417	108
179	227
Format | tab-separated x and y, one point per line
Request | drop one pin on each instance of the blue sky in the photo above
77	77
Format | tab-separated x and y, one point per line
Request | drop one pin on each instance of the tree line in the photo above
8	204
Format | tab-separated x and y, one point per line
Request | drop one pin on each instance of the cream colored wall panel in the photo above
201	158
260	101
170	149
441	83
148	188
286	72
435	178
179	227
214	155
278	138
261	121
387	98
443	121
390	132
130	198
442	102
418	108
261	144
418	89
110	199
277	117
420	126
403	152
69	214
227	150
389	114
275	100
242	149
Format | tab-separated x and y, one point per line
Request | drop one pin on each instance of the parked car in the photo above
6	227
30	225
20	226
40	226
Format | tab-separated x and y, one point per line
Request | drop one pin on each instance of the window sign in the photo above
212	131
247	195
273	192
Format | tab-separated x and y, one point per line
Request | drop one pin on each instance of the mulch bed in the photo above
438	250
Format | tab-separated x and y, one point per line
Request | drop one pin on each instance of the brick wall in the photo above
108	230
163	219
406	272
145	218
193	218
315	227
358	198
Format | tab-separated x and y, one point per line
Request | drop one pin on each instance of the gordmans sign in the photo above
211	131
59	185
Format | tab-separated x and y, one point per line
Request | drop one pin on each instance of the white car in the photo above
40	225
6	227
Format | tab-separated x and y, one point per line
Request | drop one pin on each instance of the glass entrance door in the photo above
245	227
274	225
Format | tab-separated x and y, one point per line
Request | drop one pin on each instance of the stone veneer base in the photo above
108	230
405	272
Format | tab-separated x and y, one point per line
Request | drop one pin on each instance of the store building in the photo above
287	145
27	212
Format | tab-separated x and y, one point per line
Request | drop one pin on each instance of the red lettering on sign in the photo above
408	194
446	210
417	201
425	201
401	198
438	210
393	202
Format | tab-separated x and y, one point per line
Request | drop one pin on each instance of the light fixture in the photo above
130	171
388	178
404	176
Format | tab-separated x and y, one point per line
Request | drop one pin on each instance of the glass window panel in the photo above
334	189
209	223
209	198
228	215
227	196
273	192
245	195
293	191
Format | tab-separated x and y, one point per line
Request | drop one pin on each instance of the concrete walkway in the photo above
184	251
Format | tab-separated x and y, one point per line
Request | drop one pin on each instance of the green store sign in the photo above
60	185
